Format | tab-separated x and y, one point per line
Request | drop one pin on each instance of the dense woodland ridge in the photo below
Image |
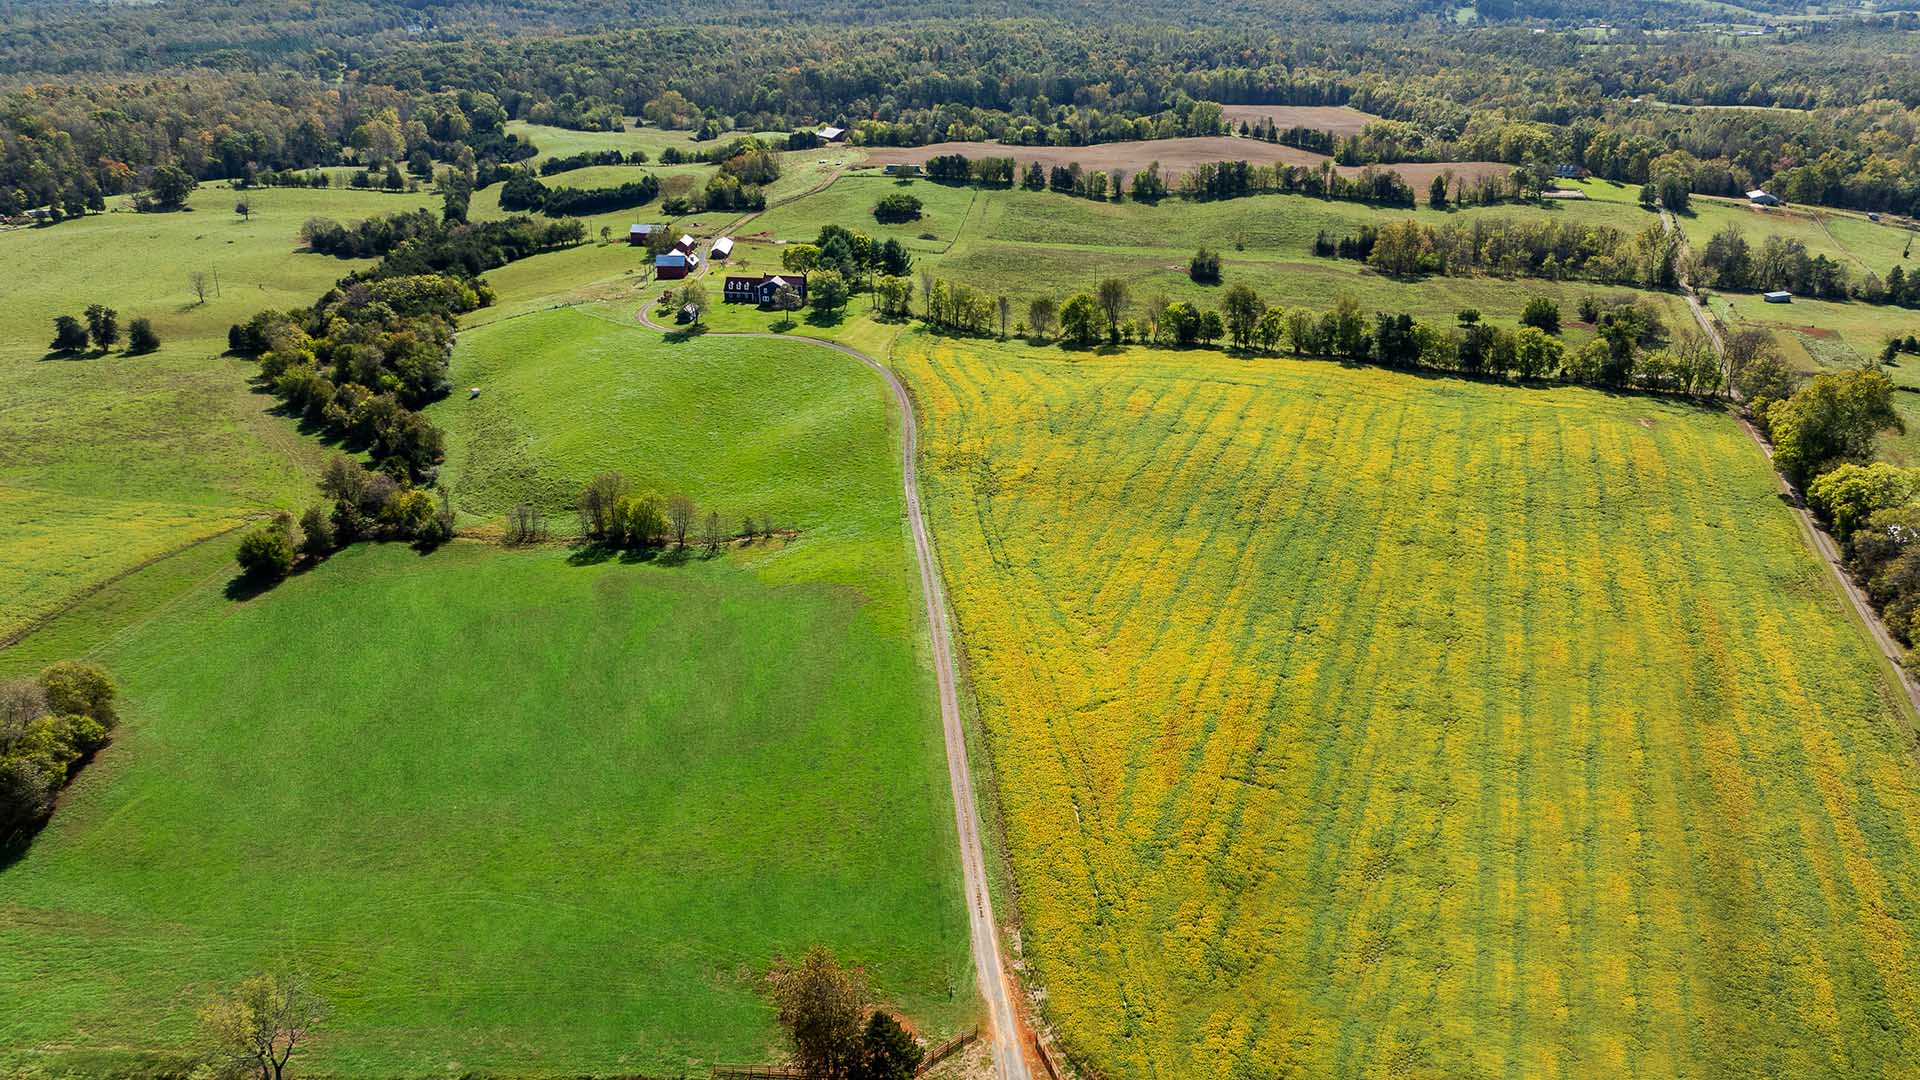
1832	106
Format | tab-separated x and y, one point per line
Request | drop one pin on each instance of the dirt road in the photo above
1009	1060
1816	537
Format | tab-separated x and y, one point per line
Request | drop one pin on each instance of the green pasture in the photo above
1845	236
744	427
850	200
111	460
519	813
508	814
1281	226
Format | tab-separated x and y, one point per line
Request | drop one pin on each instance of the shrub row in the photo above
49	726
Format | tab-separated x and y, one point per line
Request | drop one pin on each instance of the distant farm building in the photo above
761	288
907	169
831	134
722	248
1569	172
1760	198
1778	296
675	264
637	234
685	244
686	314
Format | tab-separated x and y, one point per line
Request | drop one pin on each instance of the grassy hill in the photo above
1356	723
520	813
108	461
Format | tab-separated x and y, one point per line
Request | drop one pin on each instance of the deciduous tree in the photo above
820	1004
255	1030
679	518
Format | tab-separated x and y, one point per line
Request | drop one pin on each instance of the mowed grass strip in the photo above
1350	723
519	813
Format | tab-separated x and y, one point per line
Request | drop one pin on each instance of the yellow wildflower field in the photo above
1361	724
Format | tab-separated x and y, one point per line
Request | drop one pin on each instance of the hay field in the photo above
1350	723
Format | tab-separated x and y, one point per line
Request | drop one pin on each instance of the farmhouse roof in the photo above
723	247
640	229
1757	193
671	258
830	132
1778	296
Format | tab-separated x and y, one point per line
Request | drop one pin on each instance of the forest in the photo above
1821	111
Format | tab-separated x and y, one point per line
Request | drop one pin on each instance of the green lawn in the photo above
515	812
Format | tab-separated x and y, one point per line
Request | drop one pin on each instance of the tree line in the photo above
523	192
1729	261
1555	250
587	159
615	514
356	503
1206	180
1632	347
374	349
1824	434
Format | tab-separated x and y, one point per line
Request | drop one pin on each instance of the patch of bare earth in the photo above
1332	119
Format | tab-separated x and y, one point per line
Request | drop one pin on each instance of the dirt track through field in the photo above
1009	1059
1816	538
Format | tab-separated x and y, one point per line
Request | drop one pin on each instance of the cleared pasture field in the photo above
850	200
1844	236
518	813
111	460
1273	224
1025	271
744	427
1333	119
1352	723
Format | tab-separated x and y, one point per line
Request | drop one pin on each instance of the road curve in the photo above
1009	1061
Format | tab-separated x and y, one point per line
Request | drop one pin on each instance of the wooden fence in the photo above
947	1049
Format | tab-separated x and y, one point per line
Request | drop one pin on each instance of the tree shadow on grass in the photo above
596	553
684	334
243	587
591	554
